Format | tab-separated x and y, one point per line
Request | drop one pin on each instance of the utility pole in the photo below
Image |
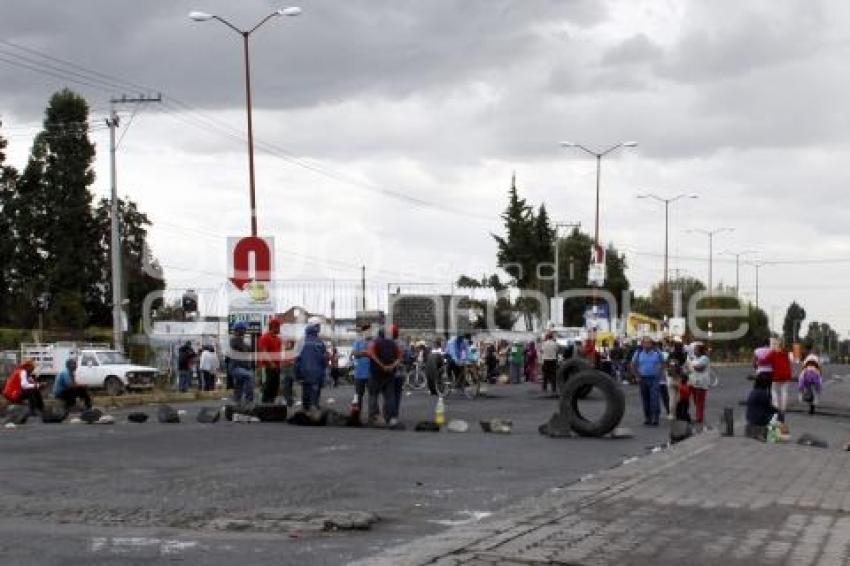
665	290
115	228
758	265
711	234
363	284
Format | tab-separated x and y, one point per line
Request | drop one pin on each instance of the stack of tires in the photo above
575	380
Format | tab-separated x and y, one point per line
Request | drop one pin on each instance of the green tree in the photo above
71	245
503	312
654	305
573	266
517	252
820	338
8	179
544	241
141	273
29	227
794	317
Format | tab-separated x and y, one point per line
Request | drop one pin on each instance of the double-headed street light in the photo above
203	17
711	234
598	155
667	202
738	266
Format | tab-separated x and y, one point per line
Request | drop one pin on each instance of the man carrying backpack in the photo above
648	365
385	358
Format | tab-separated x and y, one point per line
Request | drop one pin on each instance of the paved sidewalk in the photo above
710	500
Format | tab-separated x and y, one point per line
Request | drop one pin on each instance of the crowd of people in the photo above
772	380
672	376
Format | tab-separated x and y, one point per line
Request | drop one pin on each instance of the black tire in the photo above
566	370
615	403
113	386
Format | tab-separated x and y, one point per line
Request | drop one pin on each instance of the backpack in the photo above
808	395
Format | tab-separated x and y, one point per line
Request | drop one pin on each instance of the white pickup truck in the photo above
98	366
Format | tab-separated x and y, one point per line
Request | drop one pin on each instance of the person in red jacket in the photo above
780	360
22	386
269	355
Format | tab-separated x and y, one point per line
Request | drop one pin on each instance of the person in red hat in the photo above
270	357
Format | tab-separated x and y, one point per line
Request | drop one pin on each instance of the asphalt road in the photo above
248	494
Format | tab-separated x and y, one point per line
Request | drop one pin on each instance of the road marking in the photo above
126	545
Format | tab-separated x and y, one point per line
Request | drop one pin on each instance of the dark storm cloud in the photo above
335	50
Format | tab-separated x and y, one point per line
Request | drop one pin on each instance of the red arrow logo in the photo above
242	261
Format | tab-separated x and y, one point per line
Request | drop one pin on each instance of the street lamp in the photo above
711	234
758	265
667	202
204	17
738	265
598	155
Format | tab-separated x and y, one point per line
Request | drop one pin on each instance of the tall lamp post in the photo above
598	155
738	266
711	234
667	202
204	17
758	265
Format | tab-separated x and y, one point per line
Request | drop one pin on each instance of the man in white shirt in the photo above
549	354
208	365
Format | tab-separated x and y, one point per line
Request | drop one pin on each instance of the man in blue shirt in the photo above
648	366
457	352
66	388
360	353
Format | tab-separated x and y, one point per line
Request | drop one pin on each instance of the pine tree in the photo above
794	317
516	252
29	226
141	273
8	179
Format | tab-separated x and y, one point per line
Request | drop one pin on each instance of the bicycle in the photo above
467	379
415	377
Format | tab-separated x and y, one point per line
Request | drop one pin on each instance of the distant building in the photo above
430	315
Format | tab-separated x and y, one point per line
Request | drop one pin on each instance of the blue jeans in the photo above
310	394
243	385
516	373
649	395
184	380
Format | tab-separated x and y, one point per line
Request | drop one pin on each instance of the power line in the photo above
105	82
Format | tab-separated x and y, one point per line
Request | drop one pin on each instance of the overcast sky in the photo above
387	130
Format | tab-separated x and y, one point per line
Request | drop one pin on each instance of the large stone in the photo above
622	432
558	426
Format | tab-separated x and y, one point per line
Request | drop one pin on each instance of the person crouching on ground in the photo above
682	409
810	382
760	409
23	386
67	389
311	365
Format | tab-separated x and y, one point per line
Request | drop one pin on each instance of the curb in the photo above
136	399
536	511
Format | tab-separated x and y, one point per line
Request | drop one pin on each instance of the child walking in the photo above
810	382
